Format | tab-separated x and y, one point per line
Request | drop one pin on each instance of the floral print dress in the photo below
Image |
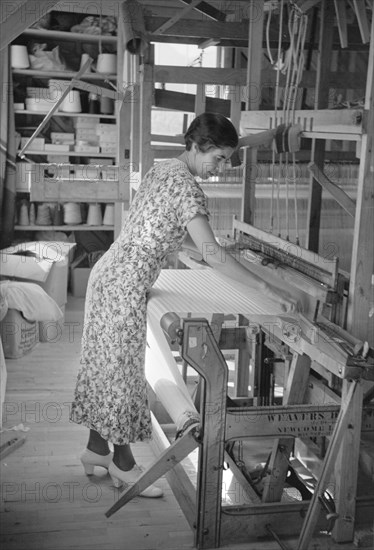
111	391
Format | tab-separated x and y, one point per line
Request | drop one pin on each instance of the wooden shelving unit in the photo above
71	189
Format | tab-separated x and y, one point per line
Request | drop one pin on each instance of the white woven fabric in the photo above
194	293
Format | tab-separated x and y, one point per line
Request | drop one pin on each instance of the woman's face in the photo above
209	163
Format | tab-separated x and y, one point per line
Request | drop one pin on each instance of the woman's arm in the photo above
217	257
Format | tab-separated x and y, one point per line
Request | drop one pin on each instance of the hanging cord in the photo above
278	68
268	37
101	30
289	65
297	26
292	26
300	68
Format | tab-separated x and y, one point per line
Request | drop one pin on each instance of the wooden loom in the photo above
325	369
307	350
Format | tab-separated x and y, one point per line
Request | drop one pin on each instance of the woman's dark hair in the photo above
210	130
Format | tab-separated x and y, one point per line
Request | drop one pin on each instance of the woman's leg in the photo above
123	457
97	444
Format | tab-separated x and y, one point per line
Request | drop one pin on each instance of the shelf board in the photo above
81	227
62	113
71	36
69	154
65	75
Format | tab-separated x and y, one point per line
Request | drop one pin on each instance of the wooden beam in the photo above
339	195
255	31
168	99
145	123
295	389
179	15
238	77
346	471
200	100
321	102
15	18
311	518
208	10
199	75
341	18
178	479
360	8
361	288
198	29
231	34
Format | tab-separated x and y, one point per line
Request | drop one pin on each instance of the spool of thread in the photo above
19	58
43	215
32	214
72	213
93	104
106	63
23	218
58	215
94	216
84	211
109	215
72	102
106	105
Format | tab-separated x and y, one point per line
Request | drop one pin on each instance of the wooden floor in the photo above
47	501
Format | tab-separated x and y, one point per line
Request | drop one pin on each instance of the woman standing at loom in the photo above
111	393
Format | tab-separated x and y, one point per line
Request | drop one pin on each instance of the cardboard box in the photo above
79	280
18	335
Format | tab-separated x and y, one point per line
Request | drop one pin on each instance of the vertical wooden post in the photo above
135	120
201	351
123	121
146	101
361	288
253	99
359	323
236	103
294	393
200	99
346	468
321	102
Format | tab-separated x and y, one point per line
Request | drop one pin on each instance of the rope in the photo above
278	68
294	65
268	37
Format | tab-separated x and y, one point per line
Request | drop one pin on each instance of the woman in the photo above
111	393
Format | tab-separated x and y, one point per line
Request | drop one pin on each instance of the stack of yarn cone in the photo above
43	215
23	217
109	215
72	213
94	215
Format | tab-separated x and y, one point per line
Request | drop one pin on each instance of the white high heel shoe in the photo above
90	459
129	477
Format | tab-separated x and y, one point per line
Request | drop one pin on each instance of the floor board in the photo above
47	502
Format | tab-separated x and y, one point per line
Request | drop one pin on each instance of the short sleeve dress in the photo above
111	393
